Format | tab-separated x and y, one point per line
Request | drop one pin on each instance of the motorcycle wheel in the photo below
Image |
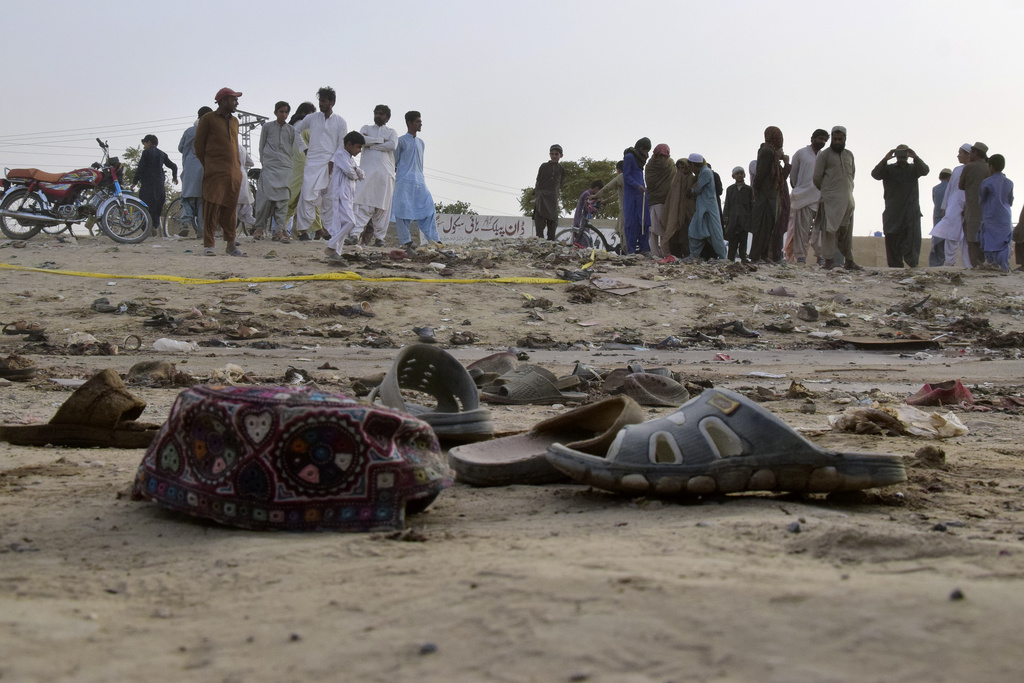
128	226
16	228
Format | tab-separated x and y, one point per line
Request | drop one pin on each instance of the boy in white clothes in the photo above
343	180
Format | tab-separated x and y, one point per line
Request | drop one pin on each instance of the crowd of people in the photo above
796	207
310	185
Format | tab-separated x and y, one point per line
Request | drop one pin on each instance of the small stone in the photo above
808	408
939	527
295	637
957	594
794	527
579	676
931	457
428	648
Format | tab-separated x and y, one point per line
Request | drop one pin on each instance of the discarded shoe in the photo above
17	368
649	389
722	442
457	415
103	305
951	392
737	327
530	385
246	332
520	459
462	338
487	369
23	327
101	412
425	334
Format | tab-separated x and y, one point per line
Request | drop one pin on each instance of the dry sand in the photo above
551	583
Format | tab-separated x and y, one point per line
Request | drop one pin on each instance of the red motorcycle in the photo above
34	200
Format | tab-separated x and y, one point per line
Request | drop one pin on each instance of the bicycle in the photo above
586	236
172	224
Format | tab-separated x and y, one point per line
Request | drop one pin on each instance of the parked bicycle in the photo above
172	223
586	235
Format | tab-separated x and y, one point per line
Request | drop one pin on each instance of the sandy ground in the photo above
551	583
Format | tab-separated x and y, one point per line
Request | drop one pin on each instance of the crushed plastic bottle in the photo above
175	346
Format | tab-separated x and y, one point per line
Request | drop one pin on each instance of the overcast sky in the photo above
498	83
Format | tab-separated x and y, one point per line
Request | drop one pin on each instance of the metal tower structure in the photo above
247	121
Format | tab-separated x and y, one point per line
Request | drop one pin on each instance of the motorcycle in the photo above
34	200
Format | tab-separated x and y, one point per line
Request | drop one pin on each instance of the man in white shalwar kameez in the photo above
343	192
326	132
245	198
804	198
951	226
412	200
374	194
277	141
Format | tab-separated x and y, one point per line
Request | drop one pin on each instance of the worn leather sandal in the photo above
520	458
722	442
101	412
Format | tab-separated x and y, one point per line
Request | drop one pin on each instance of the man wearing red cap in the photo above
216	147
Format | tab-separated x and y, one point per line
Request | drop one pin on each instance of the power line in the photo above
487	182
20	136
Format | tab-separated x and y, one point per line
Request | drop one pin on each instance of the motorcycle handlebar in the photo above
102	144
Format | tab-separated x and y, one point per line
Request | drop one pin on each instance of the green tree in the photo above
576	177
455	208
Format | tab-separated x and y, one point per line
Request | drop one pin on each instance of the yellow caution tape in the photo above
339	275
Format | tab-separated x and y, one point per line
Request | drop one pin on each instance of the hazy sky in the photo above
498	83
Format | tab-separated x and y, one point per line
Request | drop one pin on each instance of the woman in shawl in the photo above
658	176
768	183
635	208
679	208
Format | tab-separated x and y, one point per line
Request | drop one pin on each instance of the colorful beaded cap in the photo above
291	458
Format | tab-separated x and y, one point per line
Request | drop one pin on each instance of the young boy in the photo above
996	197
150	175
546	193
739	199
344	177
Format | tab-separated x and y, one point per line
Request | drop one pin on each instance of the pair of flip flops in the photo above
457	415
719	442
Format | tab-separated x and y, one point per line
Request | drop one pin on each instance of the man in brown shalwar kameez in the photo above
216	146
975	171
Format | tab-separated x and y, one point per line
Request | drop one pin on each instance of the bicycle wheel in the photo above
570	237
609	241
171	223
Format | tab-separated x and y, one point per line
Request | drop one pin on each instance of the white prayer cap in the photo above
840	129
966	147
738	169
695	158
